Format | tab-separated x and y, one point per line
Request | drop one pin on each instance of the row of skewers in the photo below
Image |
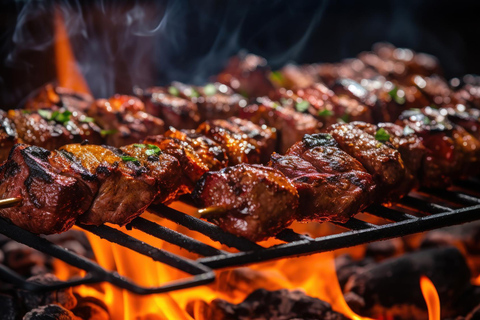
332	161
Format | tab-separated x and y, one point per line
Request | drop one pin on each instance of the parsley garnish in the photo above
87	119
382	135
210	89
193	93
395	97
128	158
277	77
344	118
45	114
173	91
152	149
302	106
325	113
139	145
108	132
57	116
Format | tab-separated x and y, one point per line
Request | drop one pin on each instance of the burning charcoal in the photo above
381	250
25	260
90	308
50	312
264	304
392	286
73	240
346	266
8	307
62	297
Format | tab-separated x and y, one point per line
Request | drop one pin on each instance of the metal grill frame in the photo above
429	208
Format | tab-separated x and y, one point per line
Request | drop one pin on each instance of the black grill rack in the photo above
419	211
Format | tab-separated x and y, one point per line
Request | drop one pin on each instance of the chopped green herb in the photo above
45	114
277	77
210	89
61	117
302	106
382	135
395	97
407	131
26	111
275	105
54	115
325	113
139	145
155	149
149	152
193	93
128	158
87	119
173	91
328	136
345	118
108	132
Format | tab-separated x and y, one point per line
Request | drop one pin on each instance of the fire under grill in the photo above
420	211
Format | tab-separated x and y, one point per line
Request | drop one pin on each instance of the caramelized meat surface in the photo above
124	120
381	161
125	189
331	184
252	201
51	201
52	97
238	147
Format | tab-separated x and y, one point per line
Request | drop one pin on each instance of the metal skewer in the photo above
10	202
210	210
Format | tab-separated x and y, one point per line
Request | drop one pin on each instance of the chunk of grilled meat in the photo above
214	100
381	161
331	184
174	110
124	120
51	200
193	164
291	125
239	148
252	201
125	188
8	135
211	153
164	168
248	75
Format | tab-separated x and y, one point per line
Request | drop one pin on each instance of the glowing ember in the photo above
431	298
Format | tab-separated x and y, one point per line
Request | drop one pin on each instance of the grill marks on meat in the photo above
331	184
124	187
51	201
381	161
257	201
125	120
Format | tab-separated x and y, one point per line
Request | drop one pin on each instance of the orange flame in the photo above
431	298
68	74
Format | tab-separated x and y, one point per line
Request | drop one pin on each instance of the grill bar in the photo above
429	205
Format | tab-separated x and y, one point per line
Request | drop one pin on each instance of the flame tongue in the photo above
68	73
431	298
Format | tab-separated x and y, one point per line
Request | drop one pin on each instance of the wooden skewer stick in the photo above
10	202
210	210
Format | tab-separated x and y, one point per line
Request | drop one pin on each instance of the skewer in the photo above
210	210
10	202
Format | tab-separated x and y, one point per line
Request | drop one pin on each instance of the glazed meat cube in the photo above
331	184
251	201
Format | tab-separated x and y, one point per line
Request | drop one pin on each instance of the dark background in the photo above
122	44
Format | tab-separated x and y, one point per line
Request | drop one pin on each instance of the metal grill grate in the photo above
419	211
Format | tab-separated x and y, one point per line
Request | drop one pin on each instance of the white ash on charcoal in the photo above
50	312
392	286
263	304
30	300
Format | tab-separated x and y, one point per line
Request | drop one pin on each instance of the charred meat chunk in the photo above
167	105
331	184
124	120
251	201
239	148
124	187
51	201
384	163
290	125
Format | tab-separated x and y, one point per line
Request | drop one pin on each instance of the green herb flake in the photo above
325	113
139	145
173	91
210	89
128	158
302	106
395	97
149	152
193	93
382	135
61	117
108	132
277	77
26	111
154	148
87	119
44	114
275	105
408	131
345	118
